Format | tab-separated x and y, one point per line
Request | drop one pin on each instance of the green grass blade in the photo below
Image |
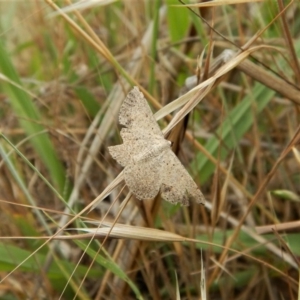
238	122
30	120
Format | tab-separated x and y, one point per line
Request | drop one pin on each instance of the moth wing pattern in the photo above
143	179
135	114
177	184
149	164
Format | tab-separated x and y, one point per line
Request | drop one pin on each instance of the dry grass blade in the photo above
177	288
194	96
81	5
289	41
123	231
263	185
277	84
203	280
278	227
219	199
214	3
258	238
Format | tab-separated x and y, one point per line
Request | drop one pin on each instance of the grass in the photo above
69	230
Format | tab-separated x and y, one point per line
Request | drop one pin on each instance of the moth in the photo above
150	166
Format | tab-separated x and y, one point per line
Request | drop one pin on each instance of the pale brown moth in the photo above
150	166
